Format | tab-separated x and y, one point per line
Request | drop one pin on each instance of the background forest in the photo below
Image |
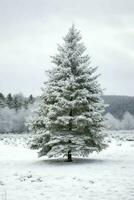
16	109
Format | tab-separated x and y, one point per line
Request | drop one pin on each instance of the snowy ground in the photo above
108	175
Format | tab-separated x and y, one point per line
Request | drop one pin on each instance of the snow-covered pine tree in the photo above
69	119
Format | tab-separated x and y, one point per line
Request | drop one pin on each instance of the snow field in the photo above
108	175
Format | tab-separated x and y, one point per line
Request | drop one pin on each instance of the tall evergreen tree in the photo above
69	120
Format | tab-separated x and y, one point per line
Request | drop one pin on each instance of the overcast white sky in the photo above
31	29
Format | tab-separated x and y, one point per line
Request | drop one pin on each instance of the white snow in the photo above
108	175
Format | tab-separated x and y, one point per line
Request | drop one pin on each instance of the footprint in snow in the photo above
84	187
90	181
37	180
1	183
22	179
77	179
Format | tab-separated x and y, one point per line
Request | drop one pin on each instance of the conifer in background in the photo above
9	101
2	101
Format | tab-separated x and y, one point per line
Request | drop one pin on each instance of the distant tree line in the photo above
119	112
17	101
119	105
14	110
126	123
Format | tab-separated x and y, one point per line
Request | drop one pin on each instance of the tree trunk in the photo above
69	158
70	114
70	121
